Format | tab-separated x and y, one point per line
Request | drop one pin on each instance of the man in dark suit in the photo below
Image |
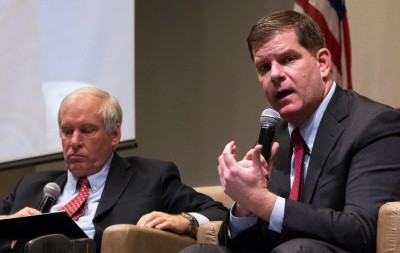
135	190
350	164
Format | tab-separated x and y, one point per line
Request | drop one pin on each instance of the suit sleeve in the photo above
178	197
6	205
250	240
28	191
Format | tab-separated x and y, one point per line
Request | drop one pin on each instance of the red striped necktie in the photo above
298	145
76	207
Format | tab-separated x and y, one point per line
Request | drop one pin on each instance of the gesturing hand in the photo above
246	181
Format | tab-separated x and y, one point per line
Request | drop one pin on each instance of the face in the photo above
291	77
86	144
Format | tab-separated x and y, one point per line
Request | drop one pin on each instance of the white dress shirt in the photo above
97	182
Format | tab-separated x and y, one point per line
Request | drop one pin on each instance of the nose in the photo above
76	140
276	71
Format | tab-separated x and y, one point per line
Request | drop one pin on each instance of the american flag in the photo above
331	17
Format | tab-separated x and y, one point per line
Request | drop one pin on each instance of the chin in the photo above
77	168
288	112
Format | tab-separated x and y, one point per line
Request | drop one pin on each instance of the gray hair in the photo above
110	110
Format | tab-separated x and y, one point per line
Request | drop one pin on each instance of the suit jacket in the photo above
354	168
134	186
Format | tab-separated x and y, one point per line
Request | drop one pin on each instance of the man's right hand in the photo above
246	181
27	211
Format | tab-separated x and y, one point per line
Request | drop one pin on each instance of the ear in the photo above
116	135
324	62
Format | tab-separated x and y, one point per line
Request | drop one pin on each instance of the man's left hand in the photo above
159	220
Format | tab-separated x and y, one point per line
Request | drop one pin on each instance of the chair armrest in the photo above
56	243
135	239
208	232
217	193
388	231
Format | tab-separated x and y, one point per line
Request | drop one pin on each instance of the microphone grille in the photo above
270	116
52	190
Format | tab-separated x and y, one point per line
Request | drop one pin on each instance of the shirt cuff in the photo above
201	219
239	224
276	220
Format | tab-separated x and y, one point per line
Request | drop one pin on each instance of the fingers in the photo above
274	150
257	159
250	154
152	219
163	221
259	163
27	211
228	154
226	160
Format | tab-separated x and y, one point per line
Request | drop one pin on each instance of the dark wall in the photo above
196	87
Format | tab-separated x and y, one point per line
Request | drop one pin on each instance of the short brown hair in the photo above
308	33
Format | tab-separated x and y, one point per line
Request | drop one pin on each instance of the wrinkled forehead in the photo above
80	104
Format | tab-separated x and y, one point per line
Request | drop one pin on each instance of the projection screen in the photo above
48	49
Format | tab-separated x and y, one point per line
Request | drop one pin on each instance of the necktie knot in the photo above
84	182
297	139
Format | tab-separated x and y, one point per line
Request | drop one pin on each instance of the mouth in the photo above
75	157
284	93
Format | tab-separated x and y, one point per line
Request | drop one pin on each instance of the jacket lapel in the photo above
329	131
118	178
61	180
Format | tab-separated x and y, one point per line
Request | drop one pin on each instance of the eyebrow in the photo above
284	53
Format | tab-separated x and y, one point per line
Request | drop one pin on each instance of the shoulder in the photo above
146	165
44	175
361	119
348	105
33	183
144	161
365	109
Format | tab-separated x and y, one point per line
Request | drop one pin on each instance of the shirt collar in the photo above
96	180
308	129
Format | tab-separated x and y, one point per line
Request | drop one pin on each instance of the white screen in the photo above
49	48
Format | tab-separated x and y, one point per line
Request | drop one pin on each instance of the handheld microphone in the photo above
51	192
269	119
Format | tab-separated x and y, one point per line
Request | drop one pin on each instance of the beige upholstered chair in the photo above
133	239
388	233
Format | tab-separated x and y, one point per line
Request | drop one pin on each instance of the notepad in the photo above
38	225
